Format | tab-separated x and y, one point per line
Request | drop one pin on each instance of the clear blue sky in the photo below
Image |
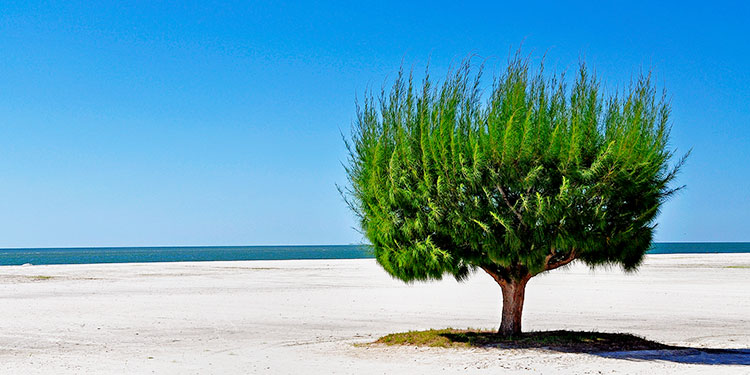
191	123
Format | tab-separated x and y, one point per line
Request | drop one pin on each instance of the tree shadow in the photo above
694	356
606	345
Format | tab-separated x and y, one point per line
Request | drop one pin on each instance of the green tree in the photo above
523	180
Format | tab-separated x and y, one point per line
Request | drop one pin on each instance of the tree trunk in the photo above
513	294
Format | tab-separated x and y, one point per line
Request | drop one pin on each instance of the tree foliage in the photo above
518	179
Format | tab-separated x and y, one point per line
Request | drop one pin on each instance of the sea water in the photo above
85	255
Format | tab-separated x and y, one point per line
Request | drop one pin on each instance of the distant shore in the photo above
304	316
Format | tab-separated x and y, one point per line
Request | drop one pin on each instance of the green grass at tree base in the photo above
568	341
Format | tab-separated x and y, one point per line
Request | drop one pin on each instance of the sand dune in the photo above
289	317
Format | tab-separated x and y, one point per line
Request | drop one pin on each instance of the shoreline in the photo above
289	316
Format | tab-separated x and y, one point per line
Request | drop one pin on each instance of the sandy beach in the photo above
289	317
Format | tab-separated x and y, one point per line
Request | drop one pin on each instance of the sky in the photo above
194	123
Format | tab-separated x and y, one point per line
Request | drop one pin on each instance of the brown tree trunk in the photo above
513	294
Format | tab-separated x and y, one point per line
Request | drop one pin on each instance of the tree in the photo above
532	176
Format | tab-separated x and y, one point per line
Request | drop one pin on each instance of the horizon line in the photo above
289	245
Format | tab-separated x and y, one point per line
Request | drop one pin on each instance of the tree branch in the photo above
551	266
494	274
499	276
504	276
507	202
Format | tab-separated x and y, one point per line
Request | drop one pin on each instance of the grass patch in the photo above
744	266
432	338
40	277
567	341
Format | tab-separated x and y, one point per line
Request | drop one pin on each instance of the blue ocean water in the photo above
699	247
85	255
214	253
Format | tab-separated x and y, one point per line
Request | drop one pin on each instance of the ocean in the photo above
84	255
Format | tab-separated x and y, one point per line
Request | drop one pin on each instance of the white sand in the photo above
291	317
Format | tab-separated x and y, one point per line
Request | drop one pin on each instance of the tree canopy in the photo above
517	179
